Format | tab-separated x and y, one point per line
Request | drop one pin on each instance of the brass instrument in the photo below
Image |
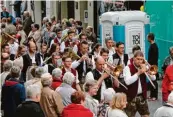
153	69
69	52
6	37
115	72
64	38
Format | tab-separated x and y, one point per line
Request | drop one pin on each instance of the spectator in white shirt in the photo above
13	48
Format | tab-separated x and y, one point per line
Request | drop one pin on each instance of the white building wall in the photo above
38	12
90	13
77	11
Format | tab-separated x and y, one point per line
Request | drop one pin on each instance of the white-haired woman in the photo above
31	107
37	72
56	74
65	89
50	101
91	88
6	70
167	109
108	95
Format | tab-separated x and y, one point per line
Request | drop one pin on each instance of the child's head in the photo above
119	101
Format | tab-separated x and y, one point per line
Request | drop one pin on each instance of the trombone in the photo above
153	70
115	73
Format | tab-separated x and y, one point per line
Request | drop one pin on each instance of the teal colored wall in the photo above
161	24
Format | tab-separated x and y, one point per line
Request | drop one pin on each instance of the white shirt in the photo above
111	51
129	79
116	113
164	111
13	48
32	58
62	47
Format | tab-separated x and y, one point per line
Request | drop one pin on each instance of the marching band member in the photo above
135	78
56	58
134	49
30	59
95	53
69	41
57	40
104	53
109	44
104	80
67	67
83	65
119	58
96	50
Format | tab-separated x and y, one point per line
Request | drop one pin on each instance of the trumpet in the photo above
115	72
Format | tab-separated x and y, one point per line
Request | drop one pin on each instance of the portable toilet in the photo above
130	27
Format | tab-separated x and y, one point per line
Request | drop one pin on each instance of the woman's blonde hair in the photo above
118	101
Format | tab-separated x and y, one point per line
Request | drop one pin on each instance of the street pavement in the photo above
153	105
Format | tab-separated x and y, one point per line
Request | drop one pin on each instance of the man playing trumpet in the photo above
135	79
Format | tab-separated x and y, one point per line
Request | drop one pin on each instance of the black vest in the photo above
80	68
116	56
51	67
120	88
27	61
108	83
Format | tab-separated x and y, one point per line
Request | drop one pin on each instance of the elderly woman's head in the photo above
78	97
46	79
91	87
7	65
39	71
119	101
68	78
57	73
108	95
15	72
33	92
